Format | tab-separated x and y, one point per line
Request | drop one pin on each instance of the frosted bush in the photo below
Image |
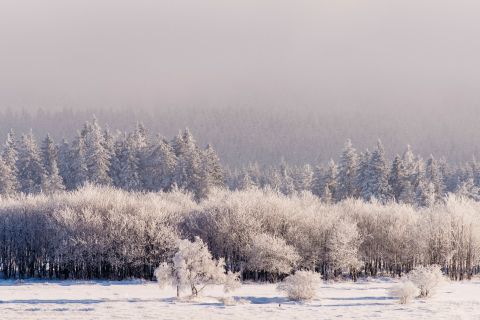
301	286
426	279
194	268
405	292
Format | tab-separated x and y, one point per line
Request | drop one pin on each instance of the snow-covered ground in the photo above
139	300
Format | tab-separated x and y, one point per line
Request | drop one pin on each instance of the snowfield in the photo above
144	300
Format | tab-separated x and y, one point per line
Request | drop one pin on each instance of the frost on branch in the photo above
303	285
194	268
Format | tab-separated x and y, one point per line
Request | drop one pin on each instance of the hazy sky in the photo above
311	73
349	53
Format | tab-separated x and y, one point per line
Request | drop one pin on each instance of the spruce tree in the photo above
397	178
330	182
378	173
212	169
364	176
31	172
7	188
78	164
10	158
347	174
97	157
434	176
160	165
53	180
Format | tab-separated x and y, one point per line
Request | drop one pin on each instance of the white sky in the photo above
349	53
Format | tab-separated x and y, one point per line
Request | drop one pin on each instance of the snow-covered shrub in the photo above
194	268
301	286
404	292
426	278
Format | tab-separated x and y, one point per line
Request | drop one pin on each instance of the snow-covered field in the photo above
138	300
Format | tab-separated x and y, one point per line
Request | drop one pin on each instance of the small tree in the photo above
301	286
193	267
404	292
426	278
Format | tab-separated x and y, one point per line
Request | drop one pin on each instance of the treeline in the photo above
103	232
368	175
131	161
138	161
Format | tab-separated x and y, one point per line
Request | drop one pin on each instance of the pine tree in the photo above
274	179
212	169
318	181
378	170
10	158
189	174
364	176
330	182
53	180
64	161
244	181
160	165
97	157
304	179
7	188
409	181
346	184
141	147
424	190
31	172
78	164
434	176
287	186
397	178
126	173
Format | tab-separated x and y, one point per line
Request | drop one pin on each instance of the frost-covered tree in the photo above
97	156
301	286
378	175
347	173
64	164
330	183
194	268
434	176
10	157
409	177
271	254
397	178
53	180
287	184
213	173
244	180
31	171
188	173
303	178
7	188
342	247
364	176
469	190
318	180
125	166
78	164
160	165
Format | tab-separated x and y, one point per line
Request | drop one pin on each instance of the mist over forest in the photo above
299	135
